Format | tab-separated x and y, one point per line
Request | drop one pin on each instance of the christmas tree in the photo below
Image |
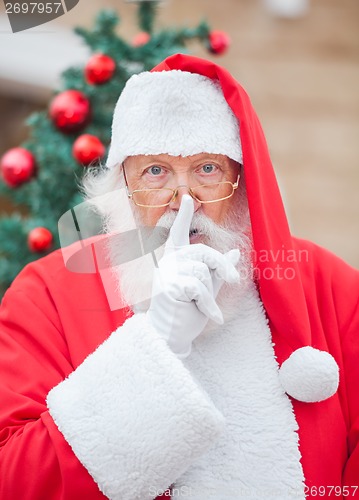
42	175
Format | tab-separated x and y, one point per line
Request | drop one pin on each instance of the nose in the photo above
176	203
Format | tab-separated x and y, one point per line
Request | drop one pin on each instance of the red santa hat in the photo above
188	105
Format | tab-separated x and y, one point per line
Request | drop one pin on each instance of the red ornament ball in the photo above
219	42
88	148
70	111
141	39
39	239
99	69
17	166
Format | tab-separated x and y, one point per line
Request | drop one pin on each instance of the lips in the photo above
195	236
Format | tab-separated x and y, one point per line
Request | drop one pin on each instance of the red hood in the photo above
274	246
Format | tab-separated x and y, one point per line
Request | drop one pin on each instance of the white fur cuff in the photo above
133	415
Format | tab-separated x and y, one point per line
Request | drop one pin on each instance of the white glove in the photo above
185	284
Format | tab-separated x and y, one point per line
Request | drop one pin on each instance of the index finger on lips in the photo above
179	233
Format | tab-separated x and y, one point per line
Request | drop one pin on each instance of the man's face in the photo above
165	171
222	225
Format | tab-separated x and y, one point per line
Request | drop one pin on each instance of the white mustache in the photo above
134	279
200	223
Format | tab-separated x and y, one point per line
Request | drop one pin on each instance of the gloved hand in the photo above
185	284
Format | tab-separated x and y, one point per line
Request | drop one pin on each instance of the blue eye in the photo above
155	170
208	168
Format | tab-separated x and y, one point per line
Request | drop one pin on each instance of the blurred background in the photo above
298	60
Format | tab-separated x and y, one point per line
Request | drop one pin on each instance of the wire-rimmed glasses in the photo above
162	197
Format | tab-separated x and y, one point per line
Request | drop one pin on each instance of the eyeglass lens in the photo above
204	193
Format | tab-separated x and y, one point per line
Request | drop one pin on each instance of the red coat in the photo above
51	319
36	462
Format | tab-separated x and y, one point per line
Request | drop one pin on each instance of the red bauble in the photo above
88	148
99	69
17	166
141	39
39	239
70	111
219	42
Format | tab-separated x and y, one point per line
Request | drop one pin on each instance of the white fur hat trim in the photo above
310	375
173	112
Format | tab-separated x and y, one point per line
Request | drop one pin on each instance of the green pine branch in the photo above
146	16
54	189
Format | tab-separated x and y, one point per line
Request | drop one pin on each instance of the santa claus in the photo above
231	369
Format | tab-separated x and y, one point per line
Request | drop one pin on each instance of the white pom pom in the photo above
309	375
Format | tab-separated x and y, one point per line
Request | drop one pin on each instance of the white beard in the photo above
134	277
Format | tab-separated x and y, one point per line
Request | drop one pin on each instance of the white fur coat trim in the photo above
257	457
133	415
173	112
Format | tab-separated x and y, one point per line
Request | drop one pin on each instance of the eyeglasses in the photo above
162	197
